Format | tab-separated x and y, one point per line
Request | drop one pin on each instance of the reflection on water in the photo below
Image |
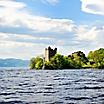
51	87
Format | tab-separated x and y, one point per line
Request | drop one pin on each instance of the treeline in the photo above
76	60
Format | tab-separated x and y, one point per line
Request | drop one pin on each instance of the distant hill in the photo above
11	62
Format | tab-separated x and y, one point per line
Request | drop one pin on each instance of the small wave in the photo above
51	92
50	84
23	84
100	80
48	88
63	84
5	94
76	98
12	97
102	95
13	102
59	78
57	102
86	87
27	92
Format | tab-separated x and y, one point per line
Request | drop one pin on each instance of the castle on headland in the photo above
49	52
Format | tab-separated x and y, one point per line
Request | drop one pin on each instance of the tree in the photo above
48	65
36	63
60	62
39	64
32	63
57	61
96	58
78	59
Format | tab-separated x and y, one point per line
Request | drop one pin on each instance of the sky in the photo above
27	27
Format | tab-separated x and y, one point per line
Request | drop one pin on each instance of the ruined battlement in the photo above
49	52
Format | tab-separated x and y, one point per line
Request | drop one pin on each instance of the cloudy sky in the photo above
29	26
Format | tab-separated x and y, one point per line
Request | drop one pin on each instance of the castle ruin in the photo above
49	52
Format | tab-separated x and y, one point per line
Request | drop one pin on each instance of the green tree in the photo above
96	58
60	62
78	59
32	63
36	63
48	65
57	61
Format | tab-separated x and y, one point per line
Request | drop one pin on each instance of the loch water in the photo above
23	86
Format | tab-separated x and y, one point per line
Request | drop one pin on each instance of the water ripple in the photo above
51	86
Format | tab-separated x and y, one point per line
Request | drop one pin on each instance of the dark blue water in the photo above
51	87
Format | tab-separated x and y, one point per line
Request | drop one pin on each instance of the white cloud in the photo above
84	33
93	36
12	16
12	4
11	46
20	50
9	12
93	6
22	36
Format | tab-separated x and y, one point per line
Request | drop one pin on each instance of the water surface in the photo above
21	86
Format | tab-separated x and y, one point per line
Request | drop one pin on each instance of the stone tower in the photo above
49	53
